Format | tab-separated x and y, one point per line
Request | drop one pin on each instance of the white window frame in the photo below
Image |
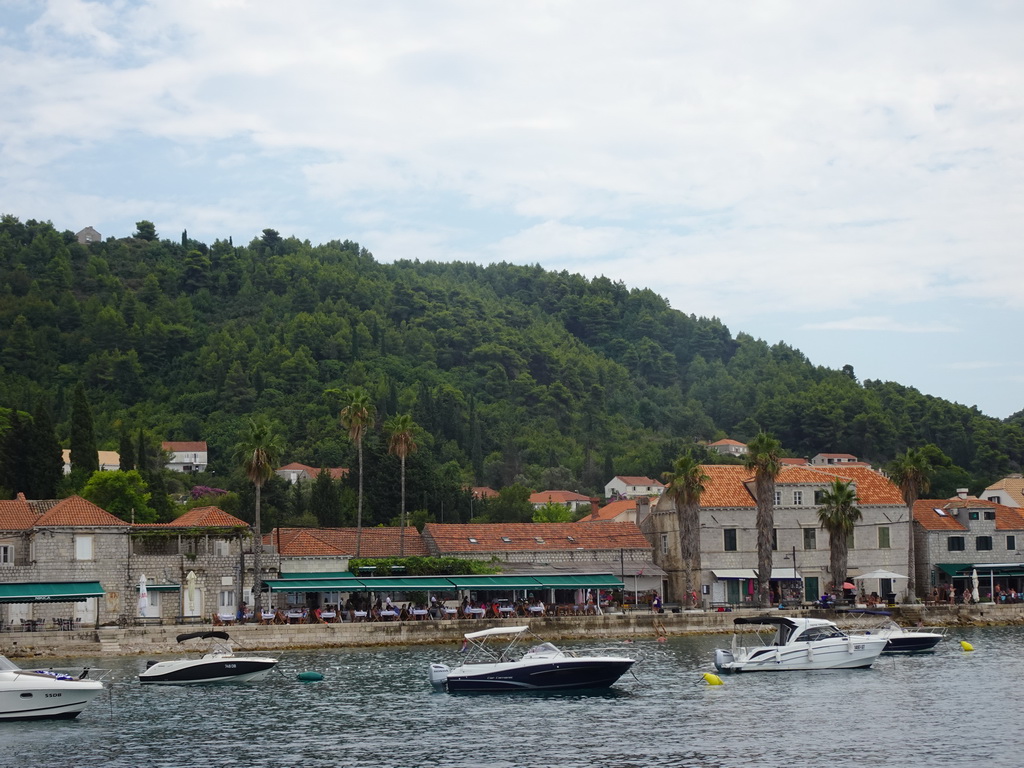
226	602
6	554
798	498
778	499
664	543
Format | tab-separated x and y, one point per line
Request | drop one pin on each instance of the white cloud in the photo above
879	323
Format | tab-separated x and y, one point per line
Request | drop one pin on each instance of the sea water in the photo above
375	707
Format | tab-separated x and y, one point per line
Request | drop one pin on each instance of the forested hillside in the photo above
514	374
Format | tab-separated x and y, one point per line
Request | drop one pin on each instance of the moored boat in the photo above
798	644
220	664
498	661
44	694
899	639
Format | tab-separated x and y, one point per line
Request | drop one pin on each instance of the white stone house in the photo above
632	487
728	447
189	457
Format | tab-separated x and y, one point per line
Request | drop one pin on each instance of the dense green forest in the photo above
516	376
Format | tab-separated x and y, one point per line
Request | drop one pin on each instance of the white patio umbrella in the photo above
974	583
880	574
143	595
190	591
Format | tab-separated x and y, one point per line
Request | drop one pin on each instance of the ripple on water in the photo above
375	708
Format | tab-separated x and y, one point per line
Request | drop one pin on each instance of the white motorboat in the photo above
45	693
899	639
220	664
799	643
499	660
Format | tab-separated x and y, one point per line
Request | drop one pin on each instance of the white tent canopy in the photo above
881	574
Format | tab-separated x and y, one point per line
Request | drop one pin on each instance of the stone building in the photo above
800	569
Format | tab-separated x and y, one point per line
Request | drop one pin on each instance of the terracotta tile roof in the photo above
444	538
483	492
927	516
727	441
558	497
195	446
376	542
629	480
795	462
837	456
611	510
728	484
1012	485
202	517
75	510
336	473
16	515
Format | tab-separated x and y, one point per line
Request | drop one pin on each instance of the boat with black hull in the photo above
219	665
899	639
497	661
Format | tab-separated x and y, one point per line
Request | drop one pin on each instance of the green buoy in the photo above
309	677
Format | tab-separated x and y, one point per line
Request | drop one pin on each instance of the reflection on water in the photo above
375	707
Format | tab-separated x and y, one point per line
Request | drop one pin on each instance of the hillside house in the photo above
728	447
833	459
629	487
569	499
88	236
303	473
1009	491
189	457
622	511
108	460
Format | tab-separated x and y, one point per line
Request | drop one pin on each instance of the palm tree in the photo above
357	417
911	471
763	460
257	453
684	486
837	515
402	442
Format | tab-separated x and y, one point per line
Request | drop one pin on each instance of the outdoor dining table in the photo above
507	610
388	615
419	613
359	615
328	615
449	612
294	617
476	611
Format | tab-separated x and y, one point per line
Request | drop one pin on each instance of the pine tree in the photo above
45	458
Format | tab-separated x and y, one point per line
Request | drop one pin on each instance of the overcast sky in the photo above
842	176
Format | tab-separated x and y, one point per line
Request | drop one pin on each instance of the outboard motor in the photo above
439	675
723	657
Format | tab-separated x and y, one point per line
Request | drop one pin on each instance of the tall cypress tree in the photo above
85	458
13	460
323	500
45	459
126	451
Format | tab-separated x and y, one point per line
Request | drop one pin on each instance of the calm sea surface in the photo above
376	708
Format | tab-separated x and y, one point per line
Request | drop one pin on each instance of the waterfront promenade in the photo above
154	639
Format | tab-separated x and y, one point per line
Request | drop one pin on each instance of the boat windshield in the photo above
6	663
820	633
543	649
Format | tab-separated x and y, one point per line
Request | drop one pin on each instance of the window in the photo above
473	541
777	501
798	498
955	544
83	547
226	601
983	543
1011	542
996	499
818	496
775	539
810	541
506	539
664	543
221	548
883	537
6	554
973	515
990	514
730	539
849	540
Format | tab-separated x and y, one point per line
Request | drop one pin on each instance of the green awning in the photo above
319	575
494	582
314	585
50	592
953	569
581	580
405	583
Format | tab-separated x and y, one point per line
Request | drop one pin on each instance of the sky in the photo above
844	177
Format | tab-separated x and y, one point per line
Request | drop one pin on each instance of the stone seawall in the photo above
150	640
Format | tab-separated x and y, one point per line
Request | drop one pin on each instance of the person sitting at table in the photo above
317	616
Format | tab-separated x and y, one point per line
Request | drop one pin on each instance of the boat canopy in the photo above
215	635
495	631
783	621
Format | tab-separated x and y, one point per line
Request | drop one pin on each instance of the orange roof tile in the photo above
16	515
728	484
727	441
483	492
195	446
202	517
558	497
444	538
375	542
336	473
610	511
927	516
75	510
